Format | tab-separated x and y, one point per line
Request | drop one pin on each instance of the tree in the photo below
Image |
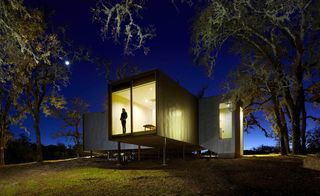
42	91
72	117
19	150
282	36
313	140
258	92
11	112
45	76
17	28
14	18
119	21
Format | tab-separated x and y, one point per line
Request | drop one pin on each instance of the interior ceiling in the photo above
143	94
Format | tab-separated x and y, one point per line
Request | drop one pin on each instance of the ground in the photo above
245	176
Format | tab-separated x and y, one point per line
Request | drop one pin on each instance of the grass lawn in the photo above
246	176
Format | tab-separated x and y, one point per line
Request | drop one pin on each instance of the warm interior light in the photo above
143	108
120	99
144	105
225	121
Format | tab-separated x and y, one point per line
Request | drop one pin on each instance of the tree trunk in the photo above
286	141
294	115
303	129
2	141
36	125
282	144
296	120
77	134
299	106
296	144
285	131
279	122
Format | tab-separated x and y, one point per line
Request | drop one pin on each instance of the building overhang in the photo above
155	141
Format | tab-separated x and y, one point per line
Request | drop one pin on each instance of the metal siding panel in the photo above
95	133
176	111
94	130
209	127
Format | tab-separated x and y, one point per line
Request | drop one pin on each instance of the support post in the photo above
119	153
183	152
90	153
164	152
139	151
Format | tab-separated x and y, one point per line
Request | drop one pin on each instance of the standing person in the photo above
123	119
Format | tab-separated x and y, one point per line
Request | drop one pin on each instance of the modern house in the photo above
163	115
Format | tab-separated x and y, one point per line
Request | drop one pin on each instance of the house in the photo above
161	114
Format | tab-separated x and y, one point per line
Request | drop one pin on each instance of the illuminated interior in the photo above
225	120
143	106
120	99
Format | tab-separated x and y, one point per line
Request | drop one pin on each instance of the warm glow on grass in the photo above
262	155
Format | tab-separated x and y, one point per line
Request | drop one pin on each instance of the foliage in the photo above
14	18
46	80
59	151
18	28
119	20
279	45
72	117
313	140
31	71
263	149
19	150
22	150
126	70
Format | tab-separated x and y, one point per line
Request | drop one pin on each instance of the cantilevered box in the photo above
157	108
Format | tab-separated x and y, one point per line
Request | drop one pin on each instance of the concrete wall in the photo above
209	129
95	133
176	111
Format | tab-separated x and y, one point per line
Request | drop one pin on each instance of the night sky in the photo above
170	52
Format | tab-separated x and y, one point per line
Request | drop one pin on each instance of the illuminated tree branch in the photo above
119	22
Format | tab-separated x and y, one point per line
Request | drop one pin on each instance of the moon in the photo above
66	62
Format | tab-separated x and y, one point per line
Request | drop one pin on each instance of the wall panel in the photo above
95	133
176	111
209	129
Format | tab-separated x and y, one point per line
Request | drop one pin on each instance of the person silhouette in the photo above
123	119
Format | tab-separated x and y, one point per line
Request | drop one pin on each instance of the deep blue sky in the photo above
169	53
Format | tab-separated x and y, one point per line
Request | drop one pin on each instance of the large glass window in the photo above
121	105
225	120
140	111
144	106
